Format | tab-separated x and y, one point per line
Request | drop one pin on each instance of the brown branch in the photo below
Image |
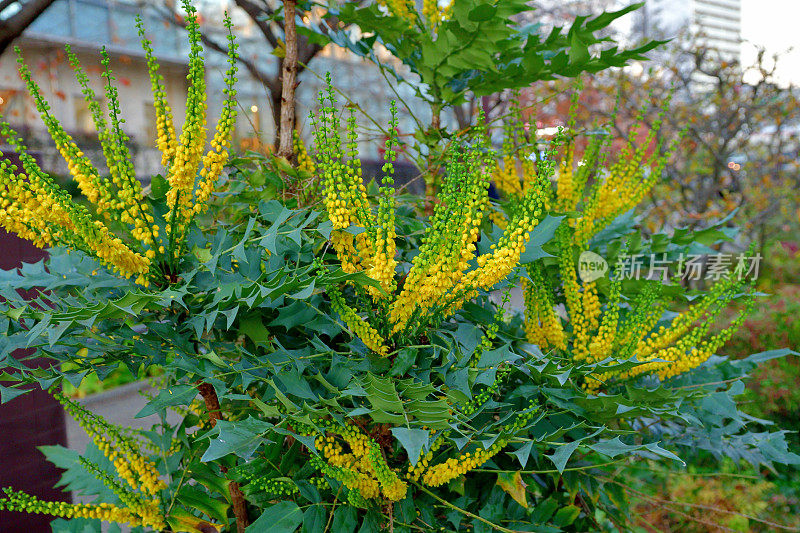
5	4
215	413
13	26
288	81
260	16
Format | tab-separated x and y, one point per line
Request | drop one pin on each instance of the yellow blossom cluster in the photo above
33	206
213	162
305	163
445	471
542	324
606	331
667	351
404	9
166	140
143	497
515	169
26	503
435	13
357	325
363	468
446	272
354	224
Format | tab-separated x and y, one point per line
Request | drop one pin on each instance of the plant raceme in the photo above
446	272
139	492
594	190
123	229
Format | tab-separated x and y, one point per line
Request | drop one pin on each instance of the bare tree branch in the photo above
13	26
259	15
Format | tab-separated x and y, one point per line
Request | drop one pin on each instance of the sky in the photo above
773	24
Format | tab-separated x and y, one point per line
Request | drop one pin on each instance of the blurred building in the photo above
87	26
716	24
354	76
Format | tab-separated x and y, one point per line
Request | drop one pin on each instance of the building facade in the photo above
716	24
87	26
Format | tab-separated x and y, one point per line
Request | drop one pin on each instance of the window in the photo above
91	22
84	123
248	129
55	20
12	105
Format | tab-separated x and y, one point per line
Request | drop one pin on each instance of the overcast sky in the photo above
774	24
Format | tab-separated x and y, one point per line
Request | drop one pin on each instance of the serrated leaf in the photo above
562	454
241	437
171	396
382	394
199	500
613	447
412	440
205	475
523	453
403	361
9	393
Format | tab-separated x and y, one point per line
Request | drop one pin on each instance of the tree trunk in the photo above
237	498
288	82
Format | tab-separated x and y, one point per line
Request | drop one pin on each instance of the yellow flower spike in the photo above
189	152
565	191
345	195
129	462
542	324
305	163
214	161
602	344
166	141
80	168
453	467
437	276
349	469
133	210
357	325
364	469
442	275
404	9
384	262
22	502
39	210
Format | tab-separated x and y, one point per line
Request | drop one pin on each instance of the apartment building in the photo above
716	24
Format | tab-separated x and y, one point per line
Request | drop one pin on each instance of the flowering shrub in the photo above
152	238
351	370
594	191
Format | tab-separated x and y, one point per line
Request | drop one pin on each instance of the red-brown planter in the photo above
33	419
